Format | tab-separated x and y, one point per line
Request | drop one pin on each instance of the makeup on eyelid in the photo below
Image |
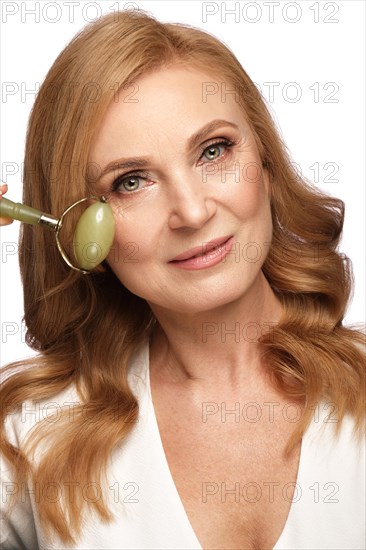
193	198
223	142
141	162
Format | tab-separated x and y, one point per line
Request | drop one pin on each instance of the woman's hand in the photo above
3	190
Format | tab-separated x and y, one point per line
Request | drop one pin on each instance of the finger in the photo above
3	188
6	221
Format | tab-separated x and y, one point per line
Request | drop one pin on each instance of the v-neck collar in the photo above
284	538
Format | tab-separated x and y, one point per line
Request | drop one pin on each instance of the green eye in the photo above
217	149
212	152
131	183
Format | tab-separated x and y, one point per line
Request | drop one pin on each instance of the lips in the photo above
201	250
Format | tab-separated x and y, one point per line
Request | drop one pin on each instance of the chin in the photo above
199	301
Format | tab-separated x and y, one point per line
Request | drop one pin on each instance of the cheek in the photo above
252	208
133	242
249	199
240	183
252	172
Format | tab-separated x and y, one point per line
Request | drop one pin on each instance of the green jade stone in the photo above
94	235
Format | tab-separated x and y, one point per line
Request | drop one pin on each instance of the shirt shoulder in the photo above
19	525
329	506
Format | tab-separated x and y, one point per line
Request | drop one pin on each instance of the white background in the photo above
314	51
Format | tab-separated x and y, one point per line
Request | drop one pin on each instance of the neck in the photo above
215	348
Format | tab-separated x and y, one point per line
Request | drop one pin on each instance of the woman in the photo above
198	389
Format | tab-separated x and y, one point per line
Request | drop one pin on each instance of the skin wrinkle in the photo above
179	211
142	162
306	354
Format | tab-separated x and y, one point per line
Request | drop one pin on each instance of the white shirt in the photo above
327	512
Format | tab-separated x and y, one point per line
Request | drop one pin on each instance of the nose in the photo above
190	203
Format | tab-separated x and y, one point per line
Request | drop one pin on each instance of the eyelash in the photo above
228	144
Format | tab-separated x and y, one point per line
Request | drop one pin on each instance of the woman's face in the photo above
177	193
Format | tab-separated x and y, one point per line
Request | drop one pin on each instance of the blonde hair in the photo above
309	353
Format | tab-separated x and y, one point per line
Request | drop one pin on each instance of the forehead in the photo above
172	96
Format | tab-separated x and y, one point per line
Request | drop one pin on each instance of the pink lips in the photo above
205	256
200	250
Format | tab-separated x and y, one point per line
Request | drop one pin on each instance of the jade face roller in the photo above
93	236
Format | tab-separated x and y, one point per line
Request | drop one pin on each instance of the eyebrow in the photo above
143	162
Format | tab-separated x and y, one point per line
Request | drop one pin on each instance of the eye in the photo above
216	150
129	183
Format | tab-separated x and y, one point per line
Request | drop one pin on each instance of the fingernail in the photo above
2	187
